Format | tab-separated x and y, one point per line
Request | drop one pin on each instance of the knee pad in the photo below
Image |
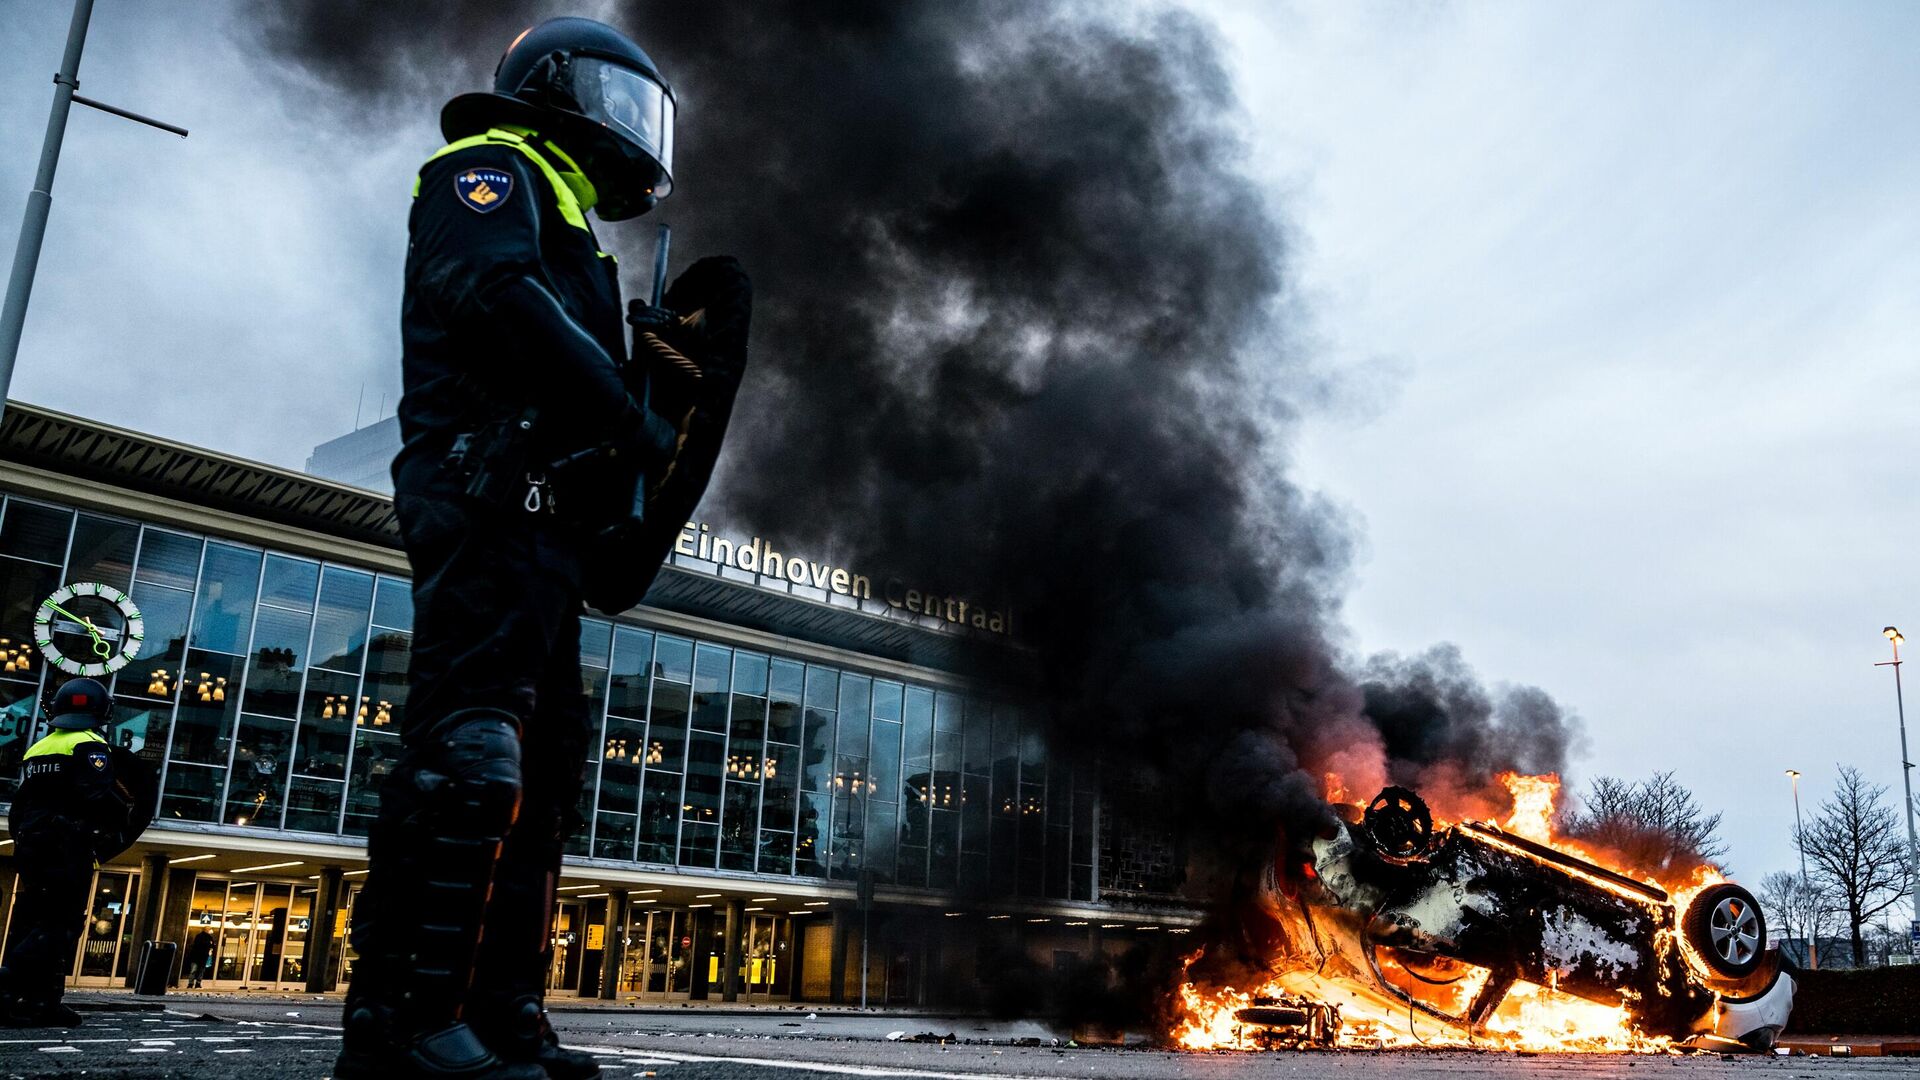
443	816
466	780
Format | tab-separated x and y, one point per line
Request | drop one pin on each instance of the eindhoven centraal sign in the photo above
698	541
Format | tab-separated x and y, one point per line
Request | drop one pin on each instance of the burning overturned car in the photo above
1483	935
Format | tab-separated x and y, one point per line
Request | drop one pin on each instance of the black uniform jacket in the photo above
68	787
508	305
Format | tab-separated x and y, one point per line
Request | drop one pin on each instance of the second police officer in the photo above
79	803
526	435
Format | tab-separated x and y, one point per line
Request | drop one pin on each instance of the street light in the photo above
33	227
1806	891
1798	840
1906	778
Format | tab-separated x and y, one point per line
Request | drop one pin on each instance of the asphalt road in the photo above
289	1041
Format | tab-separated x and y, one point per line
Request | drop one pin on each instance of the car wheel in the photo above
1399	824
1726	929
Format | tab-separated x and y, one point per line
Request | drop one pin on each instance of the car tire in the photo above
1726	929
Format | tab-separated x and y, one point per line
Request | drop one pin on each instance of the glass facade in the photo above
273	686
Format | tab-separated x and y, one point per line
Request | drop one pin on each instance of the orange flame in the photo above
1533	802
1336	789
1532	1018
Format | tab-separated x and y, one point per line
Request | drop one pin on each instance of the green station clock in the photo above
89	629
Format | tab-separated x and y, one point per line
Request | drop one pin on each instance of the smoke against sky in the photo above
1022	327
1643	276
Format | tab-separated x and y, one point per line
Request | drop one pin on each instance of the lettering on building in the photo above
698	540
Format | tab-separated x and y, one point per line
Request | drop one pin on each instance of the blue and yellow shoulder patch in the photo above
483	190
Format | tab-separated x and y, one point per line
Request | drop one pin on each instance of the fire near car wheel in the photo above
1400	824
1725	926
1272	1016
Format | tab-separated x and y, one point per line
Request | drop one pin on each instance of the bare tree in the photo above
1859	851
1654	825
1882	942
1797	907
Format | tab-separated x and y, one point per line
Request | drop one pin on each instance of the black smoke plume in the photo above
1024	332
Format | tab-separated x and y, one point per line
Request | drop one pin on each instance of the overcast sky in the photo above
1621	301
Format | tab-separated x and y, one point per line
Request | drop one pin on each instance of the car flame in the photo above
1531	1017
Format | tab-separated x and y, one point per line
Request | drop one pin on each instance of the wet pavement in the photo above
290	1038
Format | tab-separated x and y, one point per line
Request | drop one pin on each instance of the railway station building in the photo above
785	756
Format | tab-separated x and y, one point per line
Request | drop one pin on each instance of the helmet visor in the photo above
632	106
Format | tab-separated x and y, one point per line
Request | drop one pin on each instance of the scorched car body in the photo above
1448	923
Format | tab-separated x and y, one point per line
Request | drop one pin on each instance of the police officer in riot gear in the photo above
71	809
537	458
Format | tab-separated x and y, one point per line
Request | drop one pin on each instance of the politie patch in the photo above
483	190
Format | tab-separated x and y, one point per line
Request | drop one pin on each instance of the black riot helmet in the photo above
595	93
79	705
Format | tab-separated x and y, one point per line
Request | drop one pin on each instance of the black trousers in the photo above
496	626
50	910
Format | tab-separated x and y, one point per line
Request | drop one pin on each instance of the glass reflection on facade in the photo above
273	686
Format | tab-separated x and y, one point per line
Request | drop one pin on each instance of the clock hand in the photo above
100	647
64	611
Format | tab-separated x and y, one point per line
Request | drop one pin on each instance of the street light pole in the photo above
1906	779
1798	839
33	227
1806	890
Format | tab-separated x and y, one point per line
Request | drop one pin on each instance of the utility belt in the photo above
497	468
489	462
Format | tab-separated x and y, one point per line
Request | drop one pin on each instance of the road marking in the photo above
812	1066
161	1043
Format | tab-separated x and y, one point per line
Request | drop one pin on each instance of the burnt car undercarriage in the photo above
1448	923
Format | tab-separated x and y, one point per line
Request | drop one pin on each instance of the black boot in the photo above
518	1031
376	1048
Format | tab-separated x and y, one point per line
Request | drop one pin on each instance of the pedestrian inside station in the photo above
781	771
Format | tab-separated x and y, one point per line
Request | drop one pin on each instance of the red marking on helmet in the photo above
79	699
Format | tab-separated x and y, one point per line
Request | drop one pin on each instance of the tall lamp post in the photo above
33	227
1906	780
1806	890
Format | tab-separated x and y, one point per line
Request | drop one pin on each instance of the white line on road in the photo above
170	1042
813	1066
